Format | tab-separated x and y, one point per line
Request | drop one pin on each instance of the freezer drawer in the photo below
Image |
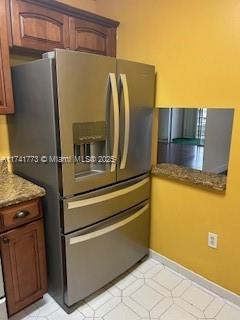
86	210
99	254
3	309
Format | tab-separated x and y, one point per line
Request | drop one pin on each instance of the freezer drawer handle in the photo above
124	84
113	83
108	229
105	197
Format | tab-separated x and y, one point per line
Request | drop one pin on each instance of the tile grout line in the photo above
134	304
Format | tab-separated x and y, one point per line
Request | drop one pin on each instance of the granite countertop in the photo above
14	189
196	177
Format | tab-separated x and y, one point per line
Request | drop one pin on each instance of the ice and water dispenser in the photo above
90	146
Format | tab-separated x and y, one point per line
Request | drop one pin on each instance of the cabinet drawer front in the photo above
17	215
38	28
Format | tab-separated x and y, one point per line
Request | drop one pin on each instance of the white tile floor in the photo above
150	291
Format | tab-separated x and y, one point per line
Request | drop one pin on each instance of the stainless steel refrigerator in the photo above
72	105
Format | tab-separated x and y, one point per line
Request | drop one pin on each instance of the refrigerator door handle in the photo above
113	83
124	84
108	229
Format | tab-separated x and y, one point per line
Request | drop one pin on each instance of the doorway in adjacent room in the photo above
181	136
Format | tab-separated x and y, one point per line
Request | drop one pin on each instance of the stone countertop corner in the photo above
14	189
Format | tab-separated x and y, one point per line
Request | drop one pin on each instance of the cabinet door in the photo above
24	265
6	95
38	28
92	37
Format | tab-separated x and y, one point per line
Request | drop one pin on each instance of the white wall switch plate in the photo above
212	240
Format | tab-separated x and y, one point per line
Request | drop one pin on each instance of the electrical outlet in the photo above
212	240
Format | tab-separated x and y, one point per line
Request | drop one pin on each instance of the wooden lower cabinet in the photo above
24	265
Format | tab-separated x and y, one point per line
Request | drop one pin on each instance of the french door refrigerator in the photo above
82	130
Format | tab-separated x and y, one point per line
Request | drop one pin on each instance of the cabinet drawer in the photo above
17	215
38	28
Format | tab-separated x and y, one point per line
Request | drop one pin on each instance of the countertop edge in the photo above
208	181
15	190
23	199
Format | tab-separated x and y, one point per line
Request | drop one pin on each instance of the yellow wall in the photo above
195	46
4	147
88	5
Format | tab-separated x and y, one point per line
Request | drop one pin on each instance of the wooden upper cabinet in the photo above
43	25
6	96
92	37
37	27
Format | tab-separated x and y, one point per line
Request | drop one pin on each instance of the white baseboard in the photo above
222	292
